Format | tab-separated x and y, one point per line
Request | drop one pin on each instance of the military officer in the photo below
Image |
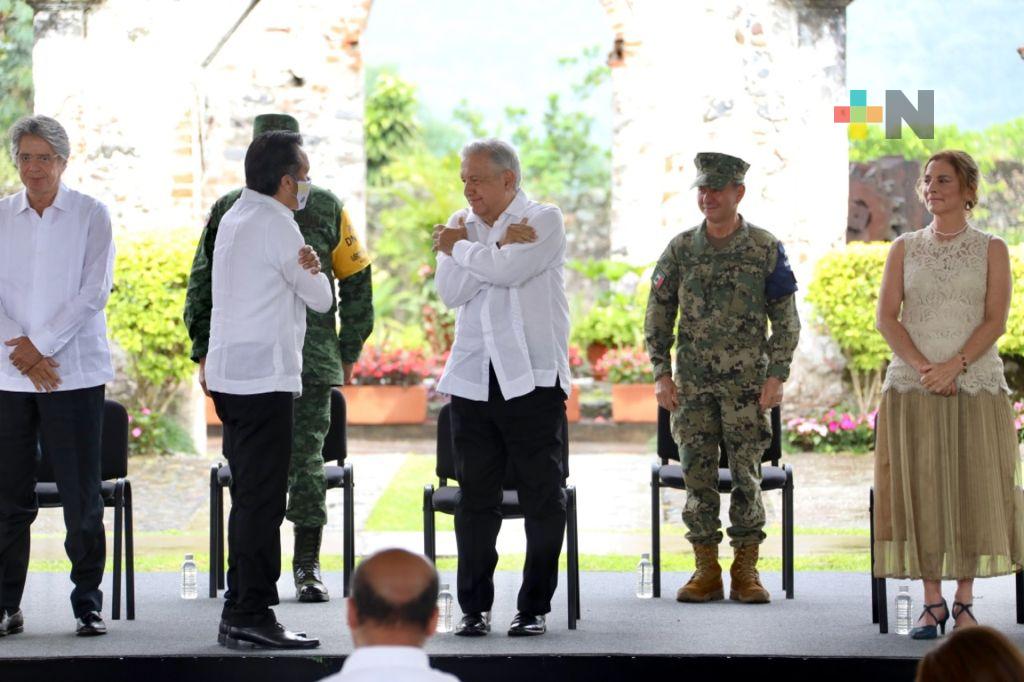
327	357
725	280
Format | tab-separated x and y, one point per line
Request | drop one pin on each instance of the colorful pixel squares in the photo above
857	115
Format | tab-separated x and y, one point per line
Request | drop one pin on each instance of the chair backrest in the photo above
447	465
336	442
668	449
113	446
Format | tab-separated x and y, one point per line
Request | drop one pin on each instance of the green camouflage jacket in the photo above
724	301
325	226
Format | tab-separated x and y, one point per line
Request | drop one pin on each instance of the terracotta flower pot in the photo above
595	352
386	404
634	403
572	405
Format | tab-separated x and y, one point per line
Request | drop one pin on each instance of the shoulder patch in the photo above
781	282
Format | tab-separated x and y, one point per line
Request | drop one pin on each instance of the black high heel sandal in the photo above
931	631
960	607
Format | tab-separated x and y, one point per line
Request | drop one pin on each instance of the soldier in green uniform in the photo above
725	280
327	355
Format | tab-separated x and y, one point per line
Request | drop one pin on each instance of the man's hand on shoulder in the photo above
445	237
518	233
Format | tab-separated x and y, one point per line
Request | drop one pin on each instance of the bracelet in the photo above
963	362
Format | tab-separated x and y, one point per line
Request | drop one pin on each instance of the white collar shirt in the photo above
260	294
391	663
56	272
512	311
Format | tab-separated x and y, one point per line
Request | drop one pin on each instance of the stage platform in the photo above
825	630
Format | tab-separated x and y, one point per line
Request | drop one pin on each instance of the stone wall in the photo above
754	79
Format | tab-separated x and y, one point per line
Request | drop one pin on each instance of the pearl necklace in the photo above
948	235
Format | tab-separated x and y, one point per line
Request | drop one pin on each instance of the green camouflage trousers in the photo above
307	485
700	423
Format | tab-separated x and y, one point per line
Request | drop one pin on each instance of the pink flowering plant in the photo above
1018	419
835	431
578	365
625	365
392	367
154	433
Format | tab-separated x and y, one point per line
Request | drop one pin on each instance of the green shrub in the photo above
153	433
616	317
144	313
844	295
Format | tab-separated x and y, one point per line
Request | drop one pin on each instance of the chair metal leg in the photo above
656	529
115	602
1019	582
790	538
871	569
883	607
572	577
221	539
576	554
214	490
129	552
429	534
348	558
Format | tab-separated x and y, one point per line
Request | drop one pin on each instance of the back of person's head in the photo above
979	654
270	157
393	599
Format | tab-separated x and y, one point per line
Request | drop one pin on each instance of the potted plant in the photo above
578	368
629	371
387	387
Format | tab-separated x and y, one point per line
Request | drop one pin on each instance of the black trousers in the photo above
521	437
68	425
257	445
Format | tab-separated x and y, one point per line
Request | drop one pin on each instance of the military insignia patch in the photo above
658	279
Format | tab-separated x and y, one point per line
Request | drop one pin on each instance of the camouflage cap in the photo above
717	170
267	122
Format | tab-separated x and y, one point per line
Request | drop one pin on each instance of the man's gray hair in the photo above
40	126
500	152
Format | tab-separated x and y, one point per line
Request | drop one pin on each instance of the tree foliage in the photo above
390	126
16	38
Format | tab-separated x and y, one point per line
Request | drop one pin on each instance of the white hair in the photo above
40	126
501	153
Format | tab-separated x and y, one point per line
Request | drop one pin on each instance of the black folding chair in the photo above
773	477
338	476
116	491
444	498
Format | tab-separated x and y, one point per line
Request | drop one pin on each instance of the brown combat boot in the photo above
706	582
746	584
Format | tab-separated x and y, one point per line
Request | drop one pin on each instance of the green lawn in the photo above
856	562
400	508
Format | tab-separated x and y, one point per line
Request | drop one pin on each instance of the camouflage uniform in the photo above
724	299
324	226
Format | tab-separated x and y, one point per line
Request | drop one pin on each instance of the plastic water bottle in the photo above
188	578
904	606
445	618
644	577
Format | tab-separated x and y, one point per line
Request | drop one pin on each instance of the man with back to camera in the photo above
392	612
725	279
253	372
328	354
501	264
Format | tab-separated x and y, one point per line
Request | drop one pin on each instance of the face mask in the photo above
302	192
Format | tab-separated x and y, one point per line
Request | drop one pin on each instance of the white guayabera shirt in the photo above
55	278
260	294
512	309
390	663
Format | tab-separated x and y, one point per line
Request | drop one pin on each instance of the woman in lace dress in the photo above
947	498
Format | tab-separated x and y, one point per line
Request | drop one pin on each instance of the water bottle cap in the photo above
645	555
904	588
444	586
189	557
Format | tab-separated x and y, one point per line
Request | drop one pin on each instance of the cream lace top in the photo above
944	285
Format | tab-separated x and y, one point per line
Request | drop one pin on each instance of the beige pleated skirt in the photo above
948	502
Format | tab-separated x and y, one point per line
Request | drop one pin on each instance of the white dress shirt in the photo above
511	306
55	278
260	294
389	663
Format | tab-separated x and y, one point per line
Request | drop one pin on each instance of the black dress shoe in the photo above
12	621
272	636
222	632
90	625
472	625
525	625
